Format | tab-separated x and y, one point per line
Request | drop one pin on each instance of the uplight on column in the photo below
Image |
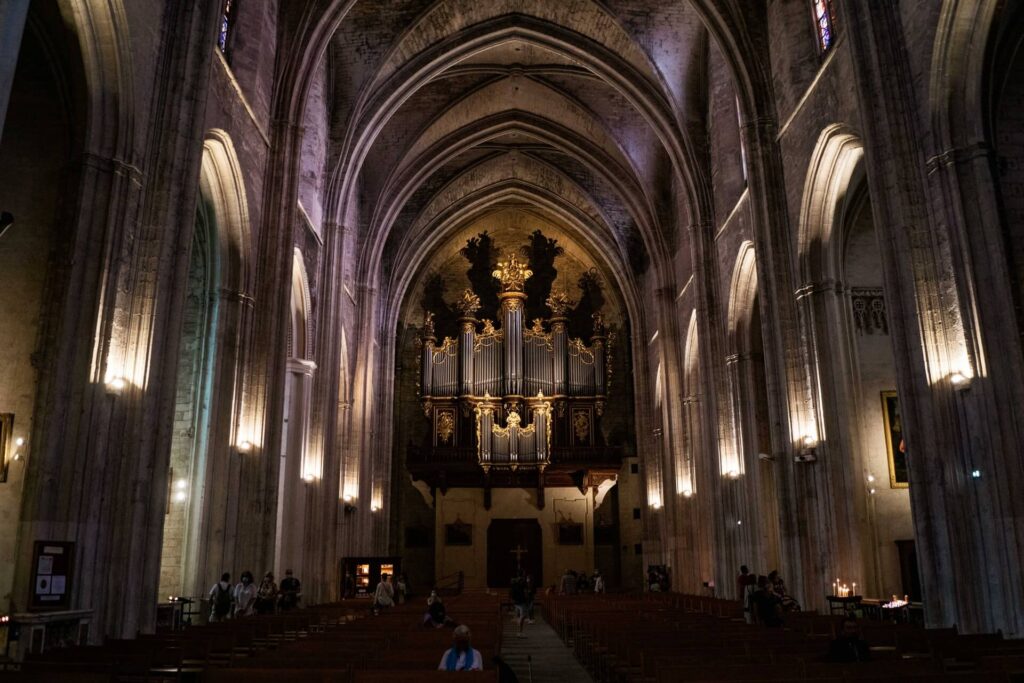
116	384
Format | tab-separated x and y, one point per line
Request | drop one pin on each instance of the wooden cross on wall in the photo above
519	552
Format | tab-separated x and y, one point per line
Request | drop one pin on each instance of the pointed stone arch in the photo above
223	181
836	167
300	334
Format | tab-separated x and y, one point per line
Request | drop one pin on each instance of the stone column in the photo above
290	547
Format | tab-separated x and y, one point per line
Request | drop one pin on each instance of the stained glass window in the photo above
825	22
743	144
226	20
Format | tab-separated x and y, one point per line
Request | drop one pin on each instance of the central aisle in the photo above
552	661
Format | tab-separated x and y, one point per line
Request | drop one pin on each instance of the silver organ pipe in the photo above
581	369
539	367
512	326
446	368
559	355
487	365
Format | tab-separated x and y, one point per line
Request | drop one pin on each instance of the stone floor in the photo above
550	660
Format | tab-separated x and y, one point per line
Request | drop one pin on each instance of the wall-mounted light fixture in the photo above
116	385
807	451
960	379
350	504
180	493
687	493
244	446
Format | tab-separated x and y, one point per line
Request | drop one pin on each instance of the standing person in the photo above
744	587
245	596
266	596
598	581
582	582
531	594
348	586
290	587
384	596
568	585
518	594
461	656
403	588
220	599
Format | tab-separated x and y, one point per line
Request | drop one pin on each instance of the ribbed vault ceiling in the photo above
578	110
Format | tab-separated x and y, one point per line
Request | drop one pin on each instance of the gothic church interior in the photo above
589	284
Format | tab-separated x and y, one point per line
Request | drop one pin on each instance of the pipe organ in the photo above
507	396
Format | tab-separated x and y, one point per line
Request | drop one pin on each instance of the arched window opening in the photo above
227	25
825	24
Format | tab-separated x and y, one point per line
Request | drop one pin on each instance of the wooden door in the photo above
511	544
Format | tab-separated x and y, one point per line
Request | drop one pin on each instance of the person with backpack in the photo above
220	598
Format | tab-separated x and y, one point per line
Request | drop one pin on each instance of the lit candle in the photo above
833	588
855	588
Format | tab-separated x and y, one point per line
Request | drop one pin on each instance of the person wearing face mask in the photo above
461	656
245	596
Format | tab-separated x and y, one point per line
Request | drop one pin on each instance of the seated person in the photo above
461	656
848	645
437	613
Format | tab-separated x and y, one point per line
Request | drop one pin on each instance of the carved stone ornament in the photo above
559	303
598	323
512	274
469	304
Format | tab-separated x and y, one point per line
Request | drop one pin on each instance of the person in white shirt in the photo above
245	596
384	596
461	656
598	581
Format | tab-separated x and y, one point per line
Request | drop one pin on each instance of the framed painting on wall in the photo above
894	444
458	533
6	430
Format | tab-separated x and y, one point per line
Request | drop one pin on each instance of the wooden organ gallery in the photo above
515	405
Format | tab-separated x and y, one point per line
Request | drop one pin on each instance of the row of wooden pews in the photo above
338	643
669	637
